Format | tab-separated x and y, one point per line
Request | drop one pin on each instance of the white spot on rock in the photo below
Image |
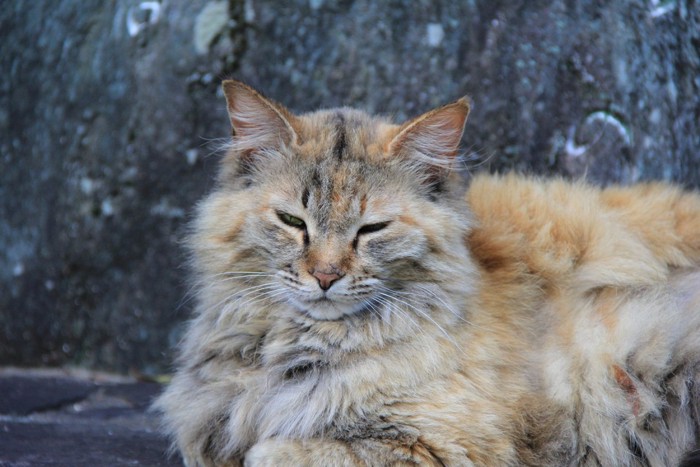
249	11
210	22
610	119
574	149
165	209
672	91
315	4
107	208
138	18
192	155
87	185
661	7
435	34
655	117
18	270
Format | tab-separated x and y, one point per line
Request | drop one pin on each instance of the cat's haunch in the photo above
356	305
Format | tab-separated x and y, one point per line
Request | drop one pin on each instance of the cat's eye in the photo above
369	228
291	220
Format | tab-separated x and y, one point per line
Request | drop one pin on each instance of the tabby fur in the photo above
404	322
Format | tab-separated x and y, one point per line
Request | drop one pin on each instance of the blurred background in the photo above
111	111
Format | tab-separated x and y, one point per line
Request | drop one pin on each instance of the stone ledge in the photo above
75	418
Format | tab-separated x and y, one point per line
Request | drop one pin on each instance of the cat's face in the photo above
338	234
334	212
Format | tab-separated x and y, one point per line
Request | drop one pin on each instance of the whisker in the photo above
201	285
393	310
384	318
227	273
257	290
234	300
437	297
422	313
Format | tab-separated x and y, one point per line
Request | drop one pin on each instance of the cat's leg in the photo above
335	453
197	433
195	416
195	459
279	452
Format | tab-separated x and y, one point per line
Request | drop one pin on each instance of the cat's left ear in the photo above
433	138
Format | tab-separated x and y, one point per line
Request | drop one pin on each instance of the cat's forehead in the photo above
344	133
342	153
342	168
339	188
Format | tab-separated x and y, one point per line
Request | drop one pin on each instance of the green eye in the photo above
291	220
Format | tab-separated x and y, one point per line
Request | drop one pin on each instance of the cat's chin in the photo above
328	310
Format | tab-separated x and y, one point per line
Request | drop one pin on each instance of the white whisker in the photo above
443	302
422	313
393	310
234	301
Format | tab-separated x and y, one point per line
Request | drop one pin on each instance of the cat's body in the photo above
353	311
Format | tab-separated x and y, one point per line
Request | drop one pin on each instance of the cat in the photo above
356	307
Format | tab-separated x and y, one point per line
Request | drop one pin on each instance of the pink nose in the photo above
325	280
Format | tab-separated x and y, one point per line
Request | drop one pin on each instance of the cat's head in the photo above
334	212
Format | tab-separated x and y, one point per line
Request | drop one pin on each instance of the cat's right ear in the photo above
257	122
432	140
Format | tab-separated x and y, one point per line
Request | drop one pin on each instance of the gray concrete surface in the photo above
75	418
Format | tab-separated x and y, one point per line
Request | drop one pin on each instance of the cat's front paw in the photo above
274	453
316	452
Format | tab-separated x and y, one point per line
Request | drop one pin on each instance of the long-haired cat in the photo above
355	308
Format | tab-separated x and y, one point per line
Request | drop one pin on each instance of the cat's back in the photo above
572	233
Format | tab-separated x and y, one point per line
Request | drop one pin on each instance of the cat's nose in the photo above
325	280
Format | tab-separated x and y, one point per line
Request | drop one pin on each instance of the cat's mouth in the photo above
322	299
326	309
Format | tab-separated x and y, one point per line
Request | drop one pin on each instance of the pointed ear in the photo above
257	122
434	137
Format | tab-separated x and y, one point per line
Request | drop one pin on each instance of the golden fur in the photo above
354	310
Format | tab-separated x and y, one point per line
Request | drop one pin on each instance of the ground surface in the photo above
68	418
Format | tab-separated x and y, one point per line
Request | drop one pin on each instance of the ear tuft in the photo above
434	137
257	122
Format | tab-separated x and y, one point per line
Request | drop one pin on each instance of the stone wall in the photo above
110	115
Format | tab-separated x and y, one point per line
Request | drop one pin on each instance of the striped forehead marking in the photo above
341	144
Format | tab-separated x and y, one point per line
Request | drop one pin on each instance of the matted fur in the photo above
537	323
